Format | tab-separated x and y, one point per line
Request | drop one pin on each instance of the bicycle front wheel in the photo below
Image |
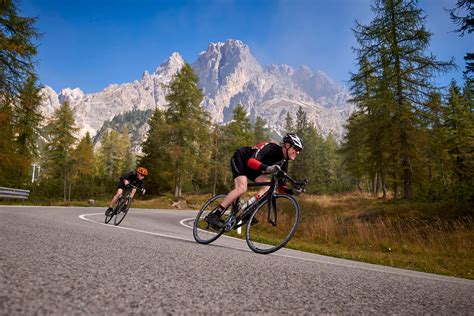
122	210
268	232
205	233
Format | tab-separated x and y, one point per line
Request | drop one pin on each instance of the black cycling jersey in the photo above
133	178
252	161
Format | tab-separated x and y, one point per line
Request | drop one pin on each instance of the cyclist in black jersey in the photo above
135	178
255	163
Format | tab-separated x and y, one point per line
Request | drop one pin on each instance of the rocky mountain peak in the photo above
171	65
302	73
228	75
72	96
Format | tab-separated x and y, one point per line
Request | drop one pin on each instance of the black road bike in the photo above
270	221
123	205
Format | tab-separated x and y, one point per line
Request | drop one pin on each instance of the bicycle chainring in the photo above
230	223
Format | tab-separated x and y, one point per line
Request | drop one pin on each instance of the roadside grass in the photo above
429	237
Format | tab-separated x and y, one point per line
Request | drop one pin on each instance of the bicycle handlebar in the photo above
142	190
301	184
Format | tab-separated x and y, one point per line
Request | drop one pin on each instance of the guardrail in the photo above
13	194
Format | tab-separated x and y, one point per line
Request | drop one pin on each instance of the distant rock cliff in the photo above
228	75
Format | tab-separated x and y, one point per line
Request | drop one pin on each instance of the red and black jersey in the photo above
252	161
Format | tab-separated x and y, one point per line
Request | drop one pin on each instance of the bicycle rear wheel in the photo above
122	210
109	217
203	232
264	237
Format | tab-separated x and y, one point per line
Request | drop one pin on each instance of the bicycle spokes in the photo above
274	227
203	231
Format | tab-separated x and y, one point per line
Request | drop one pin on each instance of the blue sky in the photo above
91	44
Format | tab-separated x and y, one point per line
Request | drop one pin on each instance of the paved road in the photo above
64	260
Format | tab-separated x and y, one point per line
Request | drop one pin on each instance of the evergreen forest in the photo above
408	138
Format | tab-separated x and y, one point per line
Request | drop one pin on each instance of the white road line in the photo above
83	216
383	269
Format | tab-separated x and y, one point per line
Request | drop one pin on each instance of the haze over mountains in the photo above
228	75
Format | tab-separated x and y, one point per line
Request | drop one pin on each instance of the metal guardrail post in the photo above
13	194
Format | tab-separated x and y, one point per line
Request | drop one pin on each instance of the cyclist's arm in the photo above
256	161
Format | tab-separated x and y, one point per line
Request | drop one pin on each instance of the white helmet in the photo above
293	139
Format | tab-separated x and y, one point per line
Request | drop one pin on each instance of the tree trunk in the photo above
395	187
384	190
177	188
64	189
214	185
377	184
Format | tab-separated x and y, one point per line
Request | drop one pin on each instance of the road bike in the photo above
271	221
123	205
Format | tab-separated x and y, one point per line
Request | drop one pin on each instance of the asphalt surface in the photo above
64	260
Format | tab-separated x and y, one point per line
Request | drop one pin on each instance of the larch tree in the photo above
17	61
27	118
60	163
260	130
394	44
188	135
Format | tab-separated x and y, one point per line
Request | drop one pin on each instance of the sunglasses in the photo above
296	149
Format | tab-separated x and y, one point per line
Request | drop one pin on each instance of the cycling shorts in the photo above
239	166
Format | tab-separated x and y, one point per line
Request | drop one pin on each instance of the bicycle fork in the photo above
272	207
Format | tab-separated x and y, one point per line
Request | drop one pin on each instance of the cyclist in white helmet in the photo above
255	163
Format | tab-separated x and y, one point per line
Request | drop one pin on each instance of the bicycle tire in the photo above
109	217
203	232
263	237
122	210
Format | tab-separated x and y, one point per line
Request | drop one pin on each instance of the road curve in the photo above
64	260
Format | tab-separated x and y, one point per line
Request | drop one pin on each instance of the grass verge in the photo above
429	237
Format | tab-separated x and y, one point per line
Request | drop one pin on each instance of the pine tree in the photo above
303	161
26	124
128	158
260	130
9	160
460	133
111	155
155	156
62	131
465	24
238	132
289	127
219	171
17	53
394	44
83	173
301	122
17	50
188	129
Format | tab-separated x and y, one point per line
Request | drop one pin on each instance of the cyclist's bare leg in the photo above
115	198
263	178
132	194
240	187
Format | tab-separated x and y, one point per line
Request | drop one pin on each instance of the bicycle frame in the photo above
126	195
269	197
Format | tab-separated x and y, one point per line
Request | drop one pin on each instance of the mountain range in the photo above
228	75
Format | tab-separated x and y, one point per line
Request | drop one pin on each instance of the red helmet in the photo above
142	170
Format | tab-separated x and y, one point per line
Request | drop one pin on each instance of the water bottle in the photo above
247	203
